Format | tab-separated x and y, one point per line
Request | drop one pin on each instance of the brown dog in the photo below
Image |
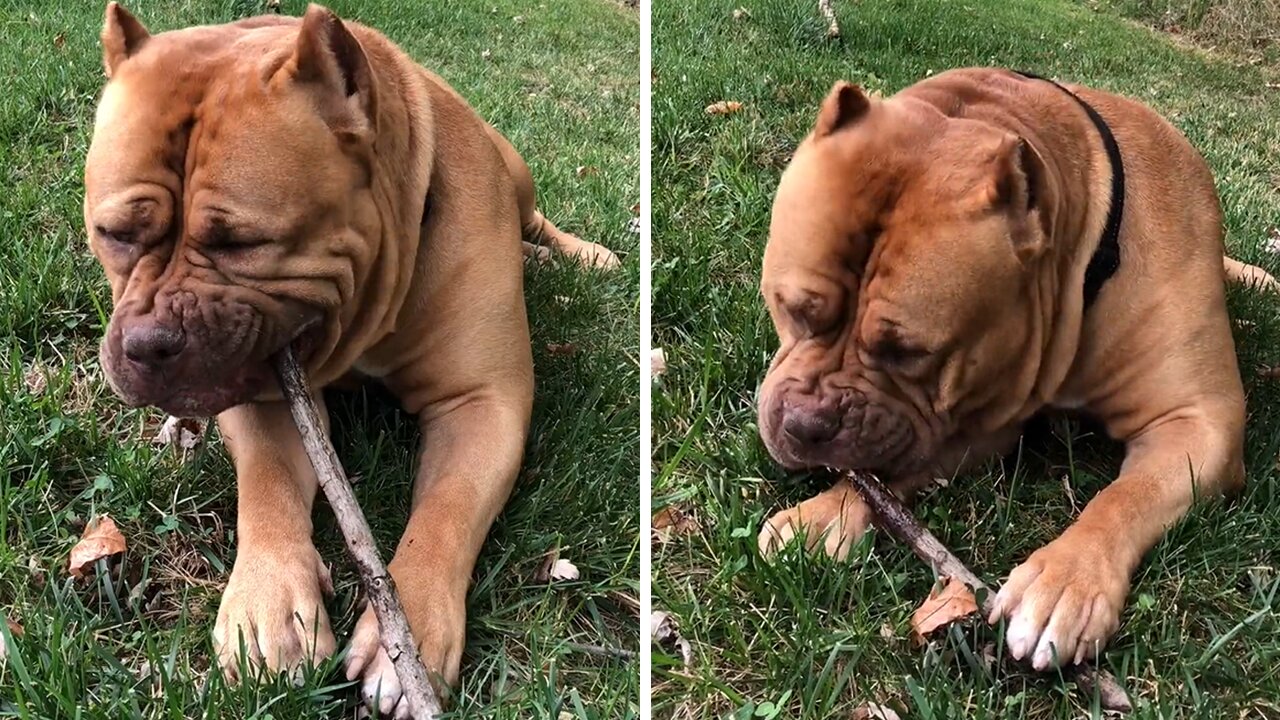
283	180
943	264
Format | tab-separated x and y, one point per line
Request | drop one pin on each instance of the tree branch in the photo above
392	625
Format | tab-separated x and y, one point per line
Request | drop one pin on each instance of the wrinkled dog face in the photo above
896	278
218	198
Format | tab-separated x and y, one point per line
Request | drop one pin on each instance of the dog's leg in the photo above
833	520
1249	275
274	600
539	232
471	455
1064	602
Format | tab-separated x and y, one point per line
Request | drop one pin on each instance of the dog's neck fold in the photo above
400	171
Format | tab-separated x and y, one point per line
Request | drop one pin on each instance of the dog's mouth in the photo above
205	389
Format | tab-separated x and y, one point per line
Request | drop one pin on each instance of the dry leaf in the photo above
101	539
1269	373
36	379
15	629
585	170
664	632
874	711
563	570
485	54
562	348
184	433
887	632
671	522
59	41
554	568
657	362
1272	244
741	14
724	107
952	603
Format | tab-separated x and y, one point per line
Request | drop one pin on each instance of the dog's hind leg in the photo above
541	236
1249	275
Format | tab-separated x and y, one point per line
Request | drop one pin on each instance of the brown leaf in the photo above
101	539
741	14
724	107
15	629
952	603
562	348
59	41
585	170
1269	373
671	522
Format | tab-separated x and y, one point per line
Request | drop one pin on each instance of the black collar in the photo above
1106	259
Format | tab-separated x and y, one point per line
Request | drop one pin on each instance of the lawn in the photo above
560	80
808	637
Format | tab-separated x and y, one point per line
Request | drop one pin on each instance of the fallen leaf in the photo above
1272	244
36	379
887	632
657	362
874	711
554	568
585	170
741	14
563	570
664	632
485	54
942	607
59	41
1269	373
671	522
15	629
562	348
724	107
185	433
101	539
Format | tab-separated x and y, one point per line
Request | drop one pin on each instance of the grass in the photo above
1249	28
560	80
807	637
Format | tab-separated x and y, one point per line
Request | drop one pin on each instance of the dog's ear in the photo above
330	58
845	104
122	37
1019	186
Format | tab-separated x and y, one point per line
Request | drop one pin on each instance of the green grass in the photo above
805	637
561	82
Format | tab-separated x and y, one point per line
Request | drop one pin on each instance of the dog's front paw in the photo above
833	521
274	607
1062	604
438	624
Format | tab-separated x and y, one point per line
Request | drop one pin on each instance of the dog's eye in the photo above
892	351
122	237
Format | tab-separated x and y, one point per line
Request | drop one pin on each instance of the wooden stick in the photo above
892	515
392	625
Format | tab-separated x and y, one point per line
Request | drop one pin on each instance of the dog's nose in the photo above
810	428
152	344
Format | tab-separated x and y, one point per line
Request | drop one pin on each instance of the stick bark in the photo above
393	628
892	515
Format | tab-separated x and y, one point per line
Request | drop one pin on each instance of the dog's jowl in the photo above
301	180
983	246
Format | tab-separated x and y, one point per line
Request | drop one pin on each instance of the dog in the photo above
981	247
302	181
